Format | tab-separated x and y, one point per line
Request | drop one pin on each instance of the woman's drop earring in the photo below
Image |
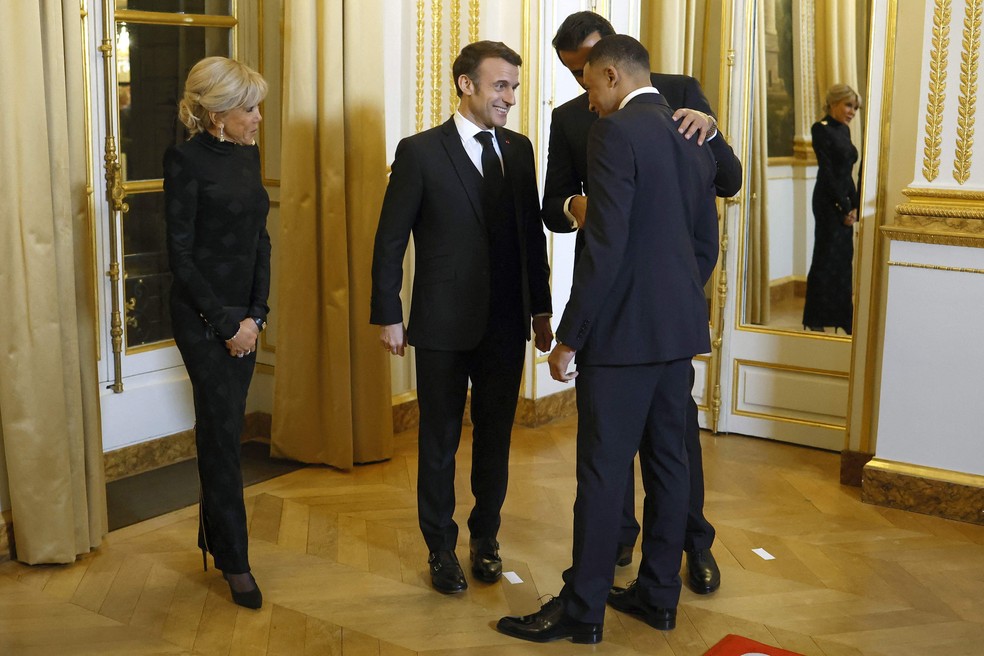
222	133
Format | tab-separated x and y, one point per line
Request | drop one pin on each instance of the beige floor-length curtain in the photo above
757	301
49	399
332	399
836	44
669	30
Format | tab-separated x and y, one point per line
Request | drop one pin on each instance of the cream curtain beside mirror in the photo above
49	396
332	399
757	300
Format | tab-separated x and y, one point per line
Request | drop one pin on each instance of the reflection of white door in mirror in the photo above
778	380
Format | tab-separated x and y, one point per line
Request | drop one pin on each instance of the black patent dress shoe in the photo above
624	555
485	562
703	575
550	623
249	598
627	600
446	574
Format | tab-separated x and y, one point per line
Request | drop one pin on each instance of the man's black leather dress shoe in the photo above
703	575
624	555
627	600
446	574
485	562
550	623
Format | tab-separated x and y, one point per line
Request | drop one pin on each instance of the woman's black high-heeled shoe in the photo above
249	598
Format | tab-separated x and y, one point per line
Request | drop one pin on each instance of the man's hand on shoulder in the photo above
693	122
393	338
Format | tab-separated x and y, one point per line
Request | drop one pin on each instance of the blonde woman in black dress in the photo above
835	211
219	253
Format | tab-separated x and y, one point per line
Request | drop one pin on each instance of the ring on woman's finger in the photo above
239	355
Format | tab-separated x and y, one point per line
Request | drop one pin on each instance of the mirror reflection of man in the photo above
467	192
564	205
636	317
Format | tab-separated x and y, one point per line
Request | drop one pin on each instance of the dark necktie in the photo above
491	167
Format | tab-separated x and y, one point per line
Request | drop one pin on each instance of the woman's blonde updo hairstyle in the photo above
838	94
218	84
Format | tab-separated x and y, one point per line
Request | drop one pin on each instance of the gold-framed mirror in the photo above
798	260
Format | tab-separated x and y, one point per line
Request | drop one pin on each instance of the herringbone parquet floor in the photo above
342	567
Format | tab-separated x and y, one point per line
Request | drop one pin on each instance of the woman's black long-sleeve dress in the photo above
219	253
829	283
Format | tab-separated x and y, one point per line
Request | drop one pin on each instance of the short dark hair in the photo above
472	56
622	51
579	26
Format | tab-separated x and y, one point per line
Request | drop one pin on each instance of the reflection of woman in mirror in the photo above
835	211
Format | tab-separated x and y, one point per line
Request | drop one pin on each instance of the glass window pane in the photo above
146	274
209	7
151	80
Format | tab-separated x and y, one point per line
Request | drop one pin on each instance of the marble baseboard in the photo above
168	450
6	537
536	412
406	415
937	492
529	412
852	467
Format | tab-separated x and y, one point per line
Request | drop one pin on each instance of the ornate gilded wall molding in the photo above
937	233
941	206
473	14
969	60
437	86
454	49
937	90
925	194
934	267
419	124
941	212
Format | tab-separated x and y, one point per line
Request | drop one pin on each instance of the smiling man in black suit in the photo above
635	318
466	190
564	202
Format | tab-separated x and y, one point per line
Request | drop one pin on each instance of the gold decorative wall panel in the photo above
443	18
969	59
419	106
937	89
473	13
455	47
437	10
948	217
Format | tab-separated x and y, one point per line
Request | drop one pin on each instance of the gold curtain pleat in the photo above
757	301
49	397
668	30
332	400
837	53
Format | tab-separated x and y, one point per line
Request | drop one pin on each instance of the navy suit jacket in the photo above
567	173
638	295
434	192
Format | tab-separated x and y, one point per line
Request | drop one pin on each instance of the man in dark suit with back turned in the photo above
635	318
466	190
564	201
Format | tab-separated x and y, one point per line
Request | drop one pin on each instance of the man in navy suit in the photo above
564	202
467	192
635	318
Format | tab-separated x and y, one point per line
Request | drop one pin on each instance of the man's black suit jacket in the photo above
434	192
638	295
567	173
